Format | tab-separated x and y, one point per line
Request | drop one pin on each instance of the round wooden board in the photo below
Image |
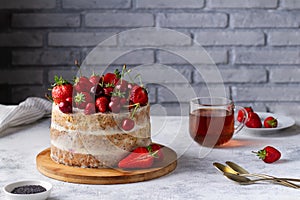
106	175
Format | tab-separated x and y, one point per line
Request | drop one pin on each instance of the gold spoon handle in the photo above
278	178
284	181
287	183
289	179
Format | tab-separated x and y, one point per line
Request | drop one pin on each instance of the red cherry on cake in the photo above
127	124
122	85
65	107
97	90
115	99
101	104
123	101
114	106
130	86
90	109
108	91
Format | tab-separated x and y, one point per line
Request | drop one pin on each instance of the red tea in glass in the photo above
215	126
211	121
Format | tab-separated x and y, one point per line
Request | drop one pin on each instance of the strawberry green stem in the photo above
261	154
59	81
94	74
154	154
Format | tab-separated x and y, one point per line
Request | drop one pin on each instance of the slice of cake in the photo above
107	118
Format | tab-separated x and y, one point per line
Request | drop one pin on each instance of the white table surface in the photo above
194	178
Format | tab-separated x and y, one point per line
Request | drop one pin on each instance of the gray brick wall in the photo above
255	44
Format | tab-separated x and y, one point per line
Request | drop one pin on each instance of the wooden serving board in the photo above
107	175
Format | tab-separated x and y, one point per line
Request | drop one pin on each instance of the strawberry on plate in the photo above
240	116
253	120
143	157
270	122
61	90
140	150
156	149
137	161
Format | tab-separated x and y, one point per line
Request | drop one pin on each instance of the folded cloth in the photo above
28	111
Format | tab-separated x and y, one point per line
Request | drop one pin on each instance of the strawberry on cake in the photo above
98	120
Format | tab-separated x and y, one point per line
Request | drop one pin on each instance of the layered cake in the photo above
98	120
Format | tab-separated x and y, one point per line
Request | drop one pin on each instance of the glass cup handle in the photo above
237	124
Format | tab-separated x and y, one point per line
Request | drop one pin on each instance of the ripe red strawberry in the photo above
270	122
139	95
82	99
268	154
240	116
95	79
253	120
61	90
90	109
70	100
156	149
140	150
127	124
101	104
110	78
83	84
137	160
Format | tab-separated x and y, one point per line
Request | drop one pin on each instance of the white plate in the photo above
37	196
283	122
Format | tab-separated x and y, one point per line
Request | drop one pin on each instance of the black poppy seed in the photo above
28	189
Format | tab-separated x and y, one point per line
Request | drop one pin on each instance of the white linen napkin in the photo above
28	111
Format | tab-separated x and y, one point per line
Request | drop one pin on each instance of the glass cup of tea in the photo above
212	121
